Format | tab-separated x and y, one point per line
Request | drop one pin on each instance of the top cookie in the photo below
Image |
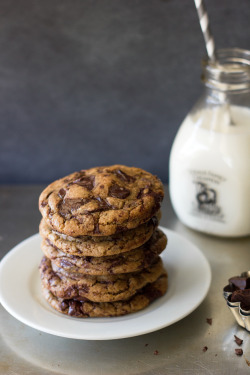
101	201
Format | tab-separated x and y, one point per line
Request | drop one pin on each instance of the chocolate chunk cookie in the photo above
107	288
101	201
131	261
99	245
84	309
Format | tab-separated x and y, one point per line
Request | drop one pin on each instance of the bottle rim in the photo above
230	71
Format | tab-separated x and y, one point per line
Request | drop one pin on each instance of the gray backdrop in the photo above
98	82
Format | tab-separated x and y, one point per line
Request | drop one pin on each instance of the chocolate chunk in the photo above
74	308
81	299
48	195
157	197
228	288
97	229
69	204
62	193
238	352
140	194
205	349
86	181
103	204
64	305
71	291
151	294
117	191
242	296
124	176
238	340
155	221
209	321
239	282
147	191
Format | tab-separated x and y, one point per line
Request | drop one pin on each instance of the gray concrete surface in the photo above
25	350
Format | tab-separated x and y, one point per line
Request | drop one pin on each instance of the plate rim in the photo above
22	245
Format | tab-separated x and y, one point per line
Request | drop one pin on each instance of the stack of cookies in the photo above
101	242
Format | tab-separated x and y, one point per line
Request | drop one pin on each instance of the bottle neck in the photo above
216	97
229	74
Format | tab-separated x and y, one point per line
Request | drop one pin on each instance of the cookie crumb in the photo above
247	362
205	349
238	352
209	321
238	340
156	352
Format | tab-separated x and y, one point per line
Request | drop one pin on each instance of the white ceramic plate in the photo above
20	294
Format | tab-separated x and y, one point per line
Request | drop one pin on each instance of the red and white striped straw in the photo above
204	23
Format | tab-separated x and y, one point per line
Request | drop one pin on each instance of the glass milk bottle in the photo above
209	171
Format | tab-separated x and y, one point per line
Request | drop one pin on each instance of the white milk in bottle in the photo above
209	171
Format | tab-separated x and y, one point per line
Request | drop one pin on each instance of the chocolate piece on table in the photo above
238	352
238	340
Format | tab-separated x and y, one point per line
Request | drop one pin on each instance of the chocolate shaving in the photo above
238	340
238	352
209	321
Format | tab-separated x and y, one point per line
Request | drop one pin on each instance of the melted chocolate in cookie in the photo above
67	205
86	181
117	191
124	176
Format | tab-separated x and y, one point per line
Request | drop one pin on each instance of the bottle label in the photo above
207	189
